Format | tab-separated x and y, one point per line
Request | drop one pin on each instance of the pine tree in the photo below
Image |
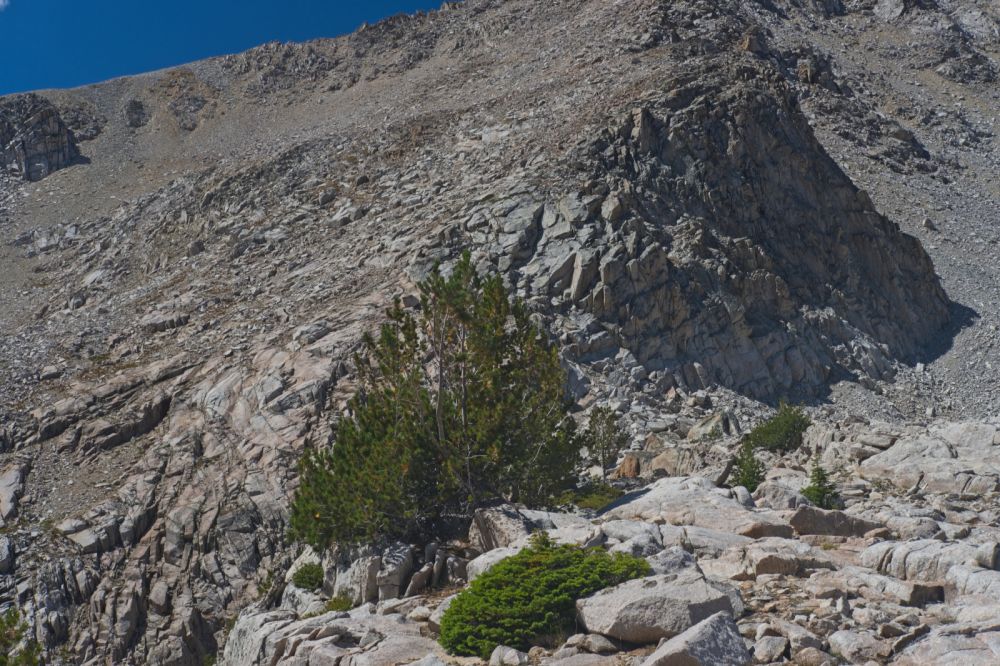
821	491
14	649
747	470
463	403
604	438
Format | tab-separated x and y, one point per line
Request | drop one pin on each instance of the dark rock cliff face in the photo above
730	249
34	140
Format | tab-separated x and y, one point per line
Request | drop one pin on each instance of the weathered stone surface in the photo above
873	586
812	520
697	502
651	188
34	141
773	495
396	566
715	640
497	527
926	560
769	649
277	638
799	638
11	490
486	560
771	556
858	647
977	645
647	609
506	656
958	458
157	322
7	553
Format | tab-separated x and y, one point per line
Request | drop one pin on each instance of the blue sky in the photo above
65	43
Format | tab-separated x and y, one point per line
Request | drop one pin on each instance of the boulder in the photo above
435	619
483	563
645	610
812	520
396	566
799	638
927	560
769	649
591	643
786	557
874	587
358	580
859	647
671	560
977	645
277	638
695	501
301	602
958	458
715	640
506	656
497	527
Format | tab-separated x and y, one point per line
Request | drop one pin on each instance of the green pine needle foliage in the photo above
594	496
14	650
782	432
461	403
530	598
747	470
339	603
821	491
308	577
604	437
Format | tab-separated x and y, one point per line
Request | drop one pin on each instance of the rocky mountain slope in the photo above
710	205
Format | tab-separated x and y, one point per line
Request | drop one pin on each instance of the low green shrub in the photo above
339	603
594	496
530	598
308	577
747	470
821	491
14	651
782	432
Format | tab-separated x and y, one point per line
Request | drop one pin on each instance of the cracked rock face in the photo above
34	140
705	204
724	247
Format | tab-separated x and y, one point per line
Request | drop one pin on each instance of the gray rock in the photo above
777	496
671	560
497	527
715	640
858	647
506	656
483	563
769	649
592	643
34	140
11	490
874	587
799	638
812	520
889	10
925	560
648	609
396	566
7	553
695	501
